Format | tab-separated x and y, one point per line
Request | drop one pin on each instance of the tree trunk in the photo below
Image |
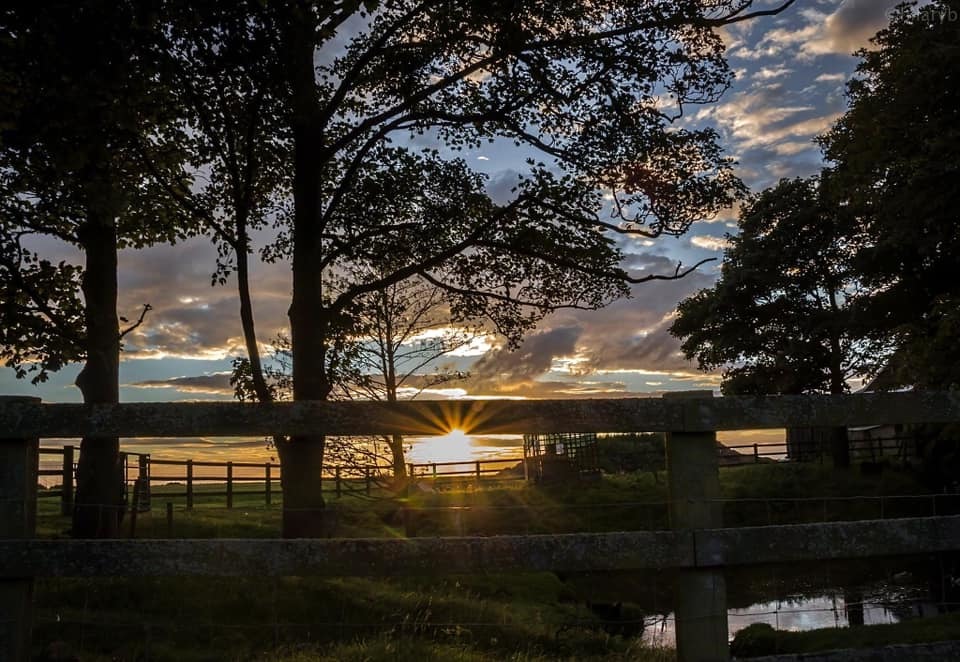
840	447
301	457
399	461
304	510
246	317
98	506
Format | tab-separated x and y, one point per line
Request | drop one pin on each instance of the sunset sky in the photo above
791	72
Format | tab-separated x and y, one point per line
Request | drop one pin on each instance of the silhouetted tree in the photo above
84	103
895	169
778	320
594	88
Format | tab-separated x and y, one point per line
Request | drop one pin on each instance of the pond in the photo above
790	597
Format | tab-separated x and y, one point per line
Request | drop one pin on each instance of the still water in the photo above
800	613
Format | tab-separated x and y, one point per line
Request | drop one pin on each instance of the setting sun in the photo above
449	447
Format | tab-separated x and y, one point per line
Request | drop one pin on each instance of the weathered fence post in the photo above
693	479
189	484
229	484
336	480
18	517
66	482
756	454
478	472
266	481
142	485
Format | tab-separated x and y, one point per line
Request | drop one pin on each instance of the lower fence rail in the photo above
633	550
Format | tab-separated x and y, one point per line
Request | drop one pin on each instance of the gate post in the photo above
694	489
18	519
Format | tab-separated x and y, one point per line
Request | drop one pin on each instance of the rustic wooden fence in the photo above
353	479
697	544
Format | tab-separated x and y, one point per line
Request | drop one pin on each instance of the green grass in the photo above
532	616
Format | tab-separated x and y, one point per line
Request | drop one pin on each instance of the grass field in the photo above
532	616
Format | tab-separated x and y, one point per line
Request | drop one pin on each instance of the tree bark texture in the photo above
98	506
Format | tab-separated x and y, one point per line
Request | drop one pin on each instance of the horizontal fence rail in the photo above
697	545
583	552
701	414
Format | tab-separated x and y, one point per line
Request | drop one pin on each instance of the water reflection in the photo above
810	613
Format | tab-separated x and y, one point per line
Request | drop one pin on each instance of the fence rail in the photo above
590	552
176	419
697	544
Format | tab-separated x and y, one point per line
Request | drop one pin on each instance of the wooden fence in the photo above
354	479
696	544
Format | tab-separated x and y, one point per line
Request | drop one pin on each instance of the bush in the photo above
753	640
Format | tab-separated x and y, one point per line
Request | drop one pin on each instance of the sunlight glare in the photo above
450	447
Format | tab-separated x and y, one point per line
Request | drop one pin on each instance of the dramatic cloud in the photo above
788	89
191	319
850	27
215	384
503	370
710	243
577	352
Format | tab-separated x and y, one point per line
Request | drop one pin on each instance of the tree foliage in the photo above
85	106
778	320
591	89
895	167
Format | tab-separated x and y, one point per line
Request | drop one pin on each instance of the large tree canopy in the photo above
590	90
370	102
778	319
896	169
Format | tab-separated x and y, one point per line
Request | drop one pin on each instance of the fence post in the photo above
142	484
266	480
66	481
693	479
478	472
336	480
134	509
756	454
189	484
18	518
229	484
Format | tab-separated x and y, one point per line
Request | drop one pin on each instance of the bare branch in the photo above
675	276
143	313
